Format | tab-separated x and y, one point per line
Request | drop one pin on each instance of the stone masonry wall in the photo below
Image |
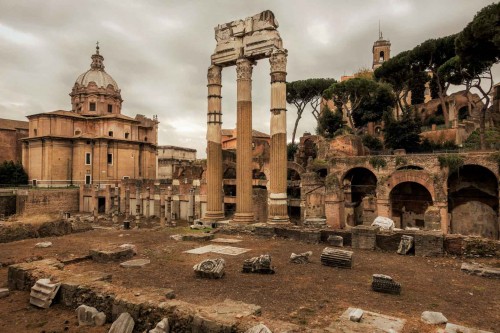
38	201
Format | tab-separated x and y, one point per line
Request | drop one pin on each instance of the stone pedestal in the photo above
364	237
214	210
244	203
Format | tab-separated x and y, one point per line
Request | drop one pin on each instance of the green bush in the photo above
372	142
12	174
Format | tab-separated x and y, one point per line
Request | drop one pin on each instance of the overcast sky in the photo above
159	51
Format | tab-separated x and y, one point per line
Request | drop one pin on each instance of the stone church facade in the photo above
93	143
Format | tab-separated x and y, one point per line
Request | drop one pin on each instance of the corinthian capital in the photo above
278	60
214	74
244	69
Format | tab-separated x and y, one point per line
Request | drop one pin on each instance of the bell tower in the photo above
381	50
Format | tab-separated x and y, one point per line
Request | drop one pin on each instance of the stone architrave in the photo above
124	324
214	146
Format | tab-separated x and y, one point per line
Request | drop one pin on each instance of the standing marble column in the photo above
244	203
278	161
214	146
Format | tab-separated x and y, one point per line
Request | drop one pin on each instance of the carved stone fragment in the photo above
124	324
43	292
405	245
161	327
260	328
260	265
336	257
385	284
210	268
302	258
335	240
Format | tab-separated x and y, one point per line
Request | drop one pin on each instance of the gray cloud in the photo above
159	51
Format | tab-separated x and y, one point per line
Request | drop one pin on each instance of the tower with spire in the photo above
381	50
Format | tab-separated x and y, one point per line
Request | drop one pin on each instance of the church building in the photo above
93	143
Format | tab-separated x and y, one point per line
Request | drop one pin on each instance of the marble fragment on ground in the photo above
43	292
261	265
136	263
90	316
433	318
385	284
220	249
370	322
301	258
123	324
453	328
260	328
161	327
210	268
481	270
43	244
336	258
4	292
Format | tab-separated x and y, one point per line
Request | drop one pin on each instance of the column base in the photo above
278	219
243	218
213	216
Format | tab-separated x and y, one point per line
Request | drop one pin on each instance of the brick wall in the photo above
47	201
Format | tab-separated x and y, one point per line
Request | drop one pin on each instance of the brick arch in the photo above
494	171
415	176
228	165
297	167
360	166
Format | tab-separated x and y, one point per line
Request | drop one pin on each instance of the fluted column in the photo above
214	210
244	202
278	163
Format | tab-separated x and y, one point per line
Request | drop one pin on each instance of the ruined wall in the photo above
38	201
474	218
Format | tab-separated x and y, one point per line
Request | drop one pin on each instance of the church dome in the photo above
96	74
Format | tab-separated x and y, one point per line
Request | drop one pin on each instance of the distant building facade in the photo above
11	131
170	157
93	144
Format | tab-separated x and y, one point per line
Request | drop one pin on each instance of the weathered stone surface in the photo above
197	237
384	223
161	327
370	322
136	263
336	257
86	315
124	324
385	284
43	292
453	328
113	255
260	265
43	244
129	246
428	243
210	268
356	315
335	240
170	294
4	292
100	319
481	270
433	318
302	258
405	245
315	222
364	237
260	328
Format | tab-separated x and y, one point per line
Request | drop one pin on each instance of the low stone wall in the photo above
18	231
147	306
427	243
37	201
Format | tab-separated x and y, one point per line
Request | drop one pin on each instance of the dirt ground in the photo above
311	295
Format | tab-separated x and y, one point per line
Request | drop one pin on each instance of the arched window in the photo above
382	56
